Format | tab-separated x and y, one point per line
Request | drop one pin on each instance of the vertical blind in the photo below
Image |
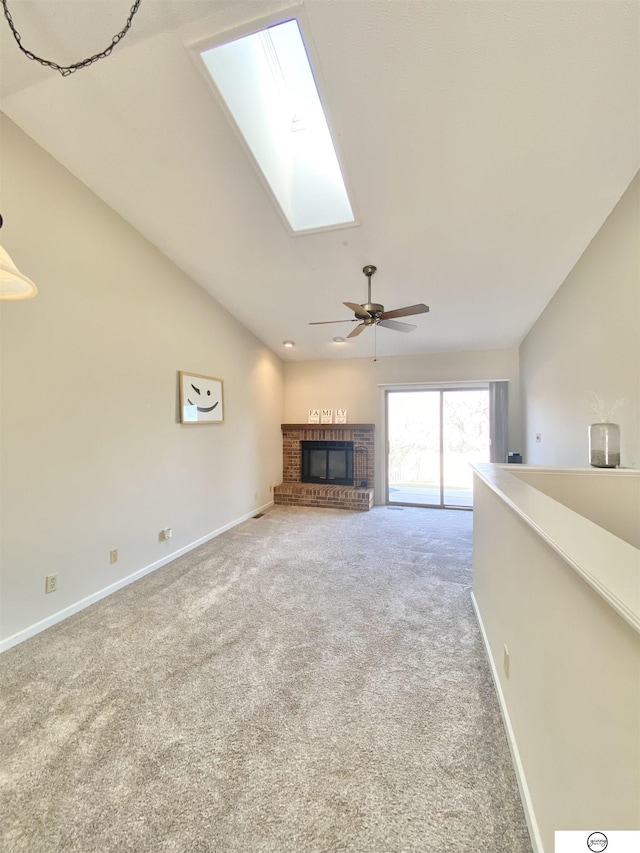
499	420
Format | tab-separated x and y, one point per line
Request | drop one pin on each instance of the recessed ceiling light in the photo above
339	340
268	85
288	343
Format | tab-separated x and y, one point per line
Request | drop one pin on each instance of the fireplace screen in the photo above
327	462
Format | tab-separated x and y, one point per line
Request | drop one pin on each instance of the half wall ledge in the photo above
556	589
575	528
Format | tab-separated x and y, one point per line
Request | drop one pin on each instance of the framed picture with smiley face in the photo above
201	400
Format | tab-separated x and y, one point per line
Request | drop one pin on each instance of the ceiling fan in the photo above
373	314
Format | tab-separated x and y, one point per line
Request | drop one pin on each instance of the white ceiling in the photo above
483	144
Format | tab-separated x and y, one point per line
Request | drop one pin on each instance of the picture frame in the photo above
201	399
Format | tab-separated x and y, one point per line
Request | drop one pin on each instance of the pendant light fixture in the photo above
65	70
13	283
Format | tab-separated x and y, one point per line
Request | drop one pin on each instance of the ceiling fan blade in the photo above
325	322
358	310
357	330
405	312
397	327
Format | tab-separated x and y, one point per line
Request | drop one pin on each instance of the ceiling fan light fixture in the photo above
13	283
373	313
339	340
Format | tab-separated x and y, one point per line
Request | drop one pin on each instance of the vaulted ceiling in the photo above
483	145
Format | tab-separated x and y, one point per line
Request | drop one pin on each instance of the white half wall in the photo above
586	341
355	385
560	595
94	457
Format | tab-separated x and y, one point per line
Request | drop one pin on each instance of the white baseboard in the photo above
525	796
32	630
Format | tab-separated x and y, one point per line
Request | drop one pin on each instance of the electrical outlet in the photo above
505	661
50	583
165	534
538	438
113	556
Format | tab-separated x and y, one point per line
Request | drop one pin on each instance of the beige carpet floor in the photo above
312	680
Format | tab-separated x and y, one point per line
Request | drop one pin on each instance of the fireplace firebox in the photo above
328	462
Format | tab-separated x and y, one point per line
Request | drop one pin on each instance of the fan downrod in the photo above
374	309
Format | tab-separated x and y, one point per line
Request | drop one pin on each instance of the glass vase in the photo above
604	445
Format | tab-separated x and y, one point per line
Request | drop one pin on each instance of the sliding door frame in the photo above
429	386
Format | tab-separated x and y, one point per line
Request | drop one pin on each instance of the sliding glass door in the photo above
432	437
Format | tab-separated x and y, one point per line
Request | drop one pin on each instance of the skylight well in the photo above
268	85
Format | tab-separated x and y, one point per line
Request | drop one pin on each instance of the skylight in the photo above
267	83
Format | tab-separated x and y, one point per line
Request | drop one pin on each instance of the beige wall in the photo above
588	340
93	457
355	384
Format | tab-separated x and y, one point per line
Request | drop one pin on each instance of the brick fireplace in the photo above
293	492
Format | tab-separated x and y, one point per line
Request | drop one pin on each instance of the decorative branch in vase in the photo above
604	436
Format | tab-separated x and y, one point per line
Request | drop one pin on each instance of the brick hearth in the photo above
293	492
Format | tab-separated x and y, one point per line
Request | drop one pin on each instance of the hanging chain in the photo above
65	70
